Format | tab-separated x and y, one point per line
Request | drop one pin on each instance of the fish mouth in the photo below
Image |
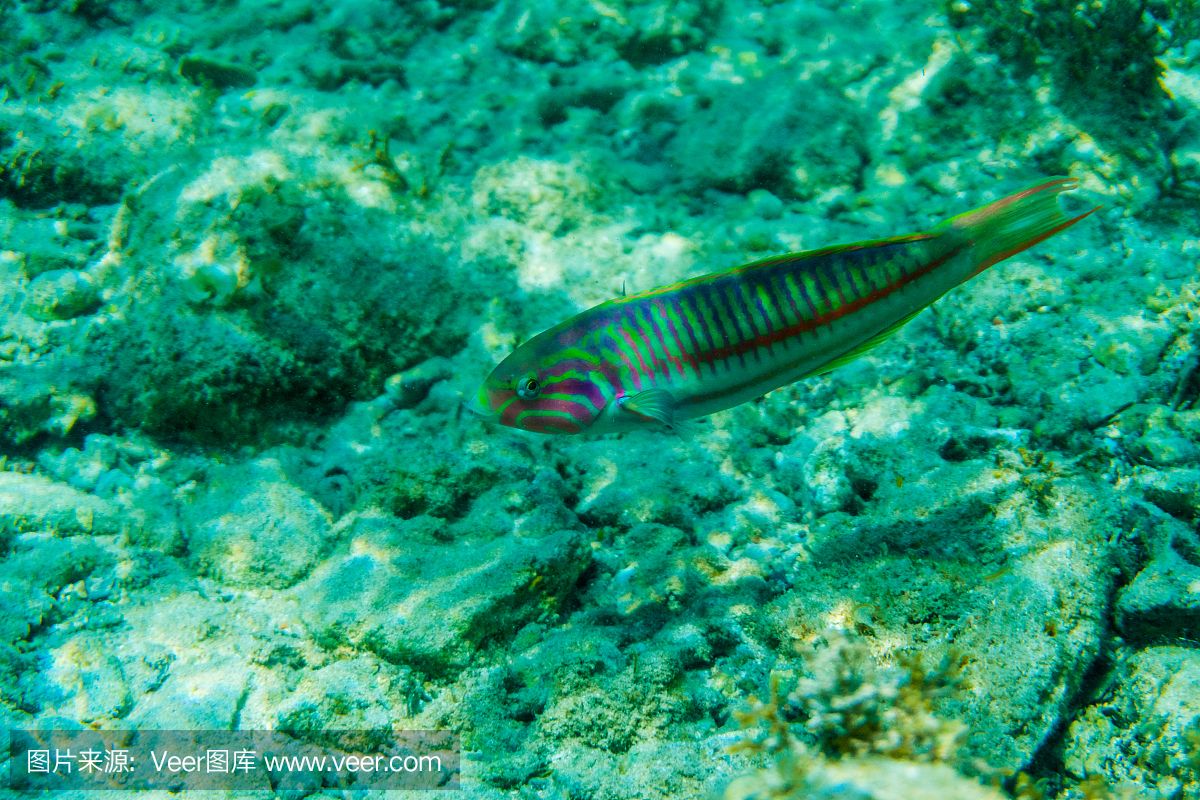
475	407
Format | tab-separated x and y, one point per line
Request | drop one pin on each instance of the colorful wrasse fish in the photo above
653	359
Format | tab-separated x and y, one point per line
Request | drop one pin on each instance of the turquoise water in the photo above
255	257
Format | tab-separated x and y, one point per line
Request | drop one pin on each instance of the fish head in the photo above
543	386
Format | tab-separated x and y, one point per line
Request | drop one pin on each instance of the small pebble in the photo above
61	294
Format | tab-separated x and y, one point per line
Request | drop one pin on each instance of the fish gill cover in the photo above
255	256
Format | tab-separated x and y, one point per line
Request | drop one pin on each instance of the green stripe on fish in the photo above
654	359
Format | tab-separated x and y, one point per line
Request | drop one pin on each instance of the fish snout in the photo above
477	407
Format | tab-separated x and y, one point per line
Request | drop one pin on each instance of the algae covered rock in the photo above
347	694
84	681
1145	730
401	592
204	70
180	374
1101	65
869	724
550	196
643	486
1163	436
253	527
1163	601
767	133
613	713
979	567
257	313
34	406
61	294
1107	48
1175	491
577	32
188	662
32	503
45	580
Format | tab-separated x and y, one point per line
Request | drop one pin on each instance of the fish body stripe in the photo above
750	382
738	290
808	288
654	333
728	320
819	289
659	363
646	362
719	322
839	280
677	353
627	341
789	290
546	420
568	413
740	314
576	390
856	277
749	297
705	322
765	296
690	321
679	322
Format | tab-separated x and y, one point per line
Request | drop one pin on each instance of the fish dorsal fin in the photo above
869	344
651	406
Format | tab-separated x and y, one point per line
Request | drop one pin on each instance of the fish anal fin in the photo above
869	344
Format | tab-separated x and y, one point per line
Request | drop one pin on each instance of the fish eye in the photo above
528	387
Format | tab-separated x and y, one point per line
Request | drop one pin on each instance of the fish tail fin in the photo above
1007	226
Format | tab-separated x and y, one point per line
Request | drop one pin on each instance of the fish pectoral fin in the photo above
650	406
